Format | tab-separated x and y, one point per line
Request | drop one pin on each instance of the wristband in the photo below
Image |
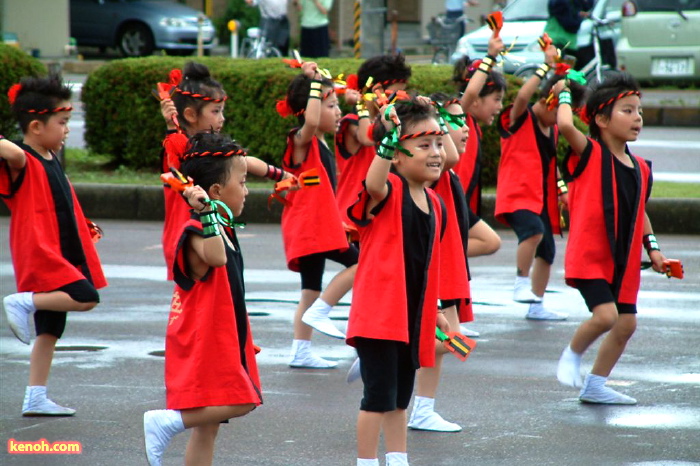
542	70
315	90
274	173
362	111
210	227
565	98
561	187
650	243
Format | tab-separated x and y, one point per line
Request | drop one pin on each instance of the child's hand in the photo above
352	96
310	69
551	54
559	86
564	200
424	100
195	196
442	323
657	261
390	122
495	45
296	186
167	109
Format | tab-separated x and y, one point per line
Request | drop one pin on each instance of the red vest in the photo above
469	166
202	354
311	223
379	306
454	278
521	181
35	243
177	211
594	224
352	168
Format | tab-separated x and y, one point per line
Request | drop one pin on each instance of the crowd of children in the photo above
398	206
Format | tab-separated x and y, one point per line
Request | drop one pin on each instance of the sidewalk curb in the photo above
130	202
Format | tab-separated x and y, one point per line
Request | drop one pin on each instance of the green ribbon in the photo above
390	141
576	76
440	335
228	220
455	121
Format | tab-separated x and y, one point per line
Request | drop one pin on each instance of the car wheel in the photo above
179	52
136	40
272	52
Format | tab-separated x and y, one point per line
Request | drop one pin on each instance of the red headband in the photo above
203	97
190	155
587	116
285	110
421	134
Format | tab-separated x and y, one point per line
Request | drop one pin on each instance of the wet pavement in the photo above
110	368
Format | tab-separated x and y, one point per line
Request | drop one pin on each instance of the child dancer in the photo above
454	278
354	147
526	192
57	269
197	105
393	314
210	369
608	191
481	101
312	228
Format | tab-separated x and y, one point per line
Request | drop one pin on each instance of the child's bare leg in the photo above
369	425
301	330
540	276
614	344
213	414
525	255
339	286
59	301
200	447
41	359
482	240
394	428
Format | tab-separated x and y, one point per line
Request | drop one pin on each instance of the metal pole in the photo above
357	27
200	38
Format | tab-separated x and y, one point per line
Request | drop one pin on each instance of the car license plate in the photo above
672	66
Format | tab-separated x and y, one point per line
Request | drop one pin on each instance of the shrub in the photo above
123	118
14	64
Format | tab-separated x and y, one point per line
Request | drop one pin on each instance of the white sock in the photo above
595	381
321	306
397	458
175	418
536	308
27	300
300	346
522	280
367	462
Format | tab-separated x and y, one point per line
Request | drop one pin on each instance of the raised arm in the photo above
565	120
264	170
12	154
532	85
478	79
312	113
381	165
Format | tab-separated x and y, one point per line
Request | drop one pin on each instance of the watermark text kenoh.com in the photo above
43	446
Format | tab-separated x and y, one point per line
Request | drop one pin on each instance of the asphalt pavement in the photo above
110	368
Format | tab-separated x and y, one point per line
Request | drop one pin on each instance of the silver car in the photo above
137	27
523	24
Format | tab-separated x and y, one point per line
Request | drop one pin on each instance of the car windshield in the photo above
526	10
667	5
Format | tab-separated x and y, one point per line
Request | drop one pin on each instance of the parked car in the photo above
661	40
137	27
524	22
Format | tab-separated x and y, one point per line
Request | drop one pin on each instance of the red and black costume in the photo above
177	211
311	222
50	241
527	172
209	351
605	237
469	166
454	269
352	168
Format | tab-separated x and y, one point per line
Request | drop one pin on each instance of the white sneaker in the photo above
468	333
597	392
354	371
304	358
545	315
522	291
18	308
424	417
569	368
396	458
319	320
159	427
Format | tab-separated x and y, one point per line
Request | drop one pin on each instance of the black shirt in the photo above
627	195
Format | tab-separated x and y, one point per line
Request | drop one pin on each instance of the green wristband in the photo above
210	227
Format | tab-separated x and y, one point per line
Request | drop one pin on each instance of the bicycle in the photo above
596	69
444	34
256	45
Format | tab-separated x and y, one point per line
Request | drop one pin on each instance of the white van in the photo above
523	24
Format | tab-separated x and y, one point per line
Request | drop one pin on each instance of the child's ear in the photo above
190	115
601	121
35	127
214	191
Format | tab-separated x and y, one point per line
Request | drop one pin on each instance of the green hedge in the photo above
123	118
14	64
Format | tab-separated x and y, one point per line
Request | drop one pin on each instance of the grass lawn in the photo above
84	167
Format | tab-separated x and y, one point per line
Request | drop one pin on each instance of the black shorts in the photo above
597	291
311	267
527	224
53	322
388	373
